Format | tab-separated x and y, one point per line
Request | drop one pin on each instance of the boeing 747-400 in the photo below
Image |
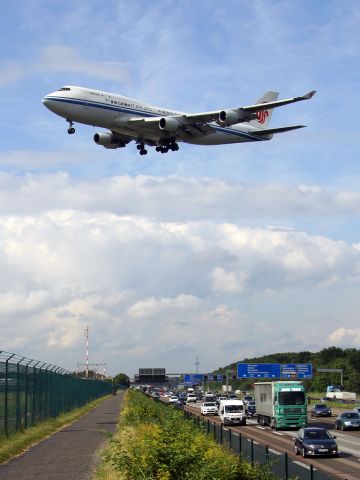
127	119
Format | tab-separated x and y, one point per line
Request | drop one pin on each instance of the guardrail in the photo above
32	391
279	463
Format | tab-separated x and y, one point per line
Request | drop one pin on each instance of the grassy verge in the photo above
22	441
155	442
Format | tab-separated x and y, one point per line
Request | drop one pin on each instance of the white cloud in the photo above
228	282
62	59
345	337
154	286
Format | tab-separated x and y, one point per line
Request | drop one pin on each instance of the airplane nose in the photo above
46	102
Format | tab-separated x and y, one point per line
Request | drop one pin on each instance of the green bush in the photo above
156	443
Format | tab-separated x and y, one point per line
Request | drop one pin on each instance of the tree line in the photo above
347	359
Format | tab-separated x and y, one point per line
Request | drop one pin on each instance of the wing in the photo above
197	124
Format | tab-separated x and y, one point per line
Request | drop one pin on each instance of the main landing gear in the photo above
168	145
141	148
71	129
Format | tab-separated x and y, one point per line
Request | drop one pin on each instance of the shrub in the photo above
157	443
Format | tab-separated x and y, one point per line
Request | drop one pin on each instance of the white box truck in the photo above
232	412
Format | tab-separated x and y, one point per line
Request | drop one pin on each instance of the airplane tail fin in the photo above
263	116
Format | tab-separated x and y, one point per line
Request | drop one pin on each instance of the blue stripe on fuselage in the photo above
129	110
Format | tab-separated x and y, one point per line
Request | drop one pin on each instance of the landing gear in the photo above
141	148
168	144
71	129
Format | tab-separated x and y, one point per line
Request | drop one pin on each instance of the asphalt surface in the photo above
71	453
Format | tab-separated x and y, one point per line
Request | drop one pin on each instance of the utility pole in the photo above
197	363
86	334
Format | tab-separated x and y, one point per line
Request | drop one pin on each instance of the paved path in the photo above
69	454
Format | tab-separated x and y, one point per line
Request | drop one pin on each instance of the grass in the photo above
22	441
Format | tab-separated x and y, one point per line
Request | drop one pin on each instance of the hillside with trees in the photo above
332	357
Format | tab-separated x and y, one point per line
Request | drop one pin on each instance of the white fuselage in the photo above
112	111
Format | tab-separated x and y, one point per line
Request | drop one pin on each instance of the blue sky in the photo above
192	253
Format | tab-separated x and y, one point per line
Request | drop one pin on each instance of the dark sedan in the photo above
315	441
347	421
320	410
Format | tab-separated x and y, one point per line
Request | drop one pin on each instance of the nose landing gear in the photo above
71	129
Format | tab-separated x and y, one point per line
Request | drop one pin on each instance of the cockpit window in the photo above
64	88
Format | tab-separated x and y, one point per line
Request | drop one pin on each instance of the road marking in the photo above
261	428
274	451
305	465
278	433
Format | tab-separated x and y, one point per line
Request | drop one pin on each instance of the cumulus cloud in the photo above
147	286
345	337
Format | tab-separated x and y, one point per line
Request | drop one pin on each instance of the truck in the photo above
341	396
281	404
232	412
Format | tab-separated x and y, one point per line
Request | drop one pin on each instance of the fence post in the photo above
267	453
230	438
26	395
221	433
33	408
17	425
6	395
240	445
208	426
214	425
252	452
311	472
286	466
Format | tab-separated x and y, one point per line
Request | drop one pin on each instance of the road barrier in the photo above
32	391
279	463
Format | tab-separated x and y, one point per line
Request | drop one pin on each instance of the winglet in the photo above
309	95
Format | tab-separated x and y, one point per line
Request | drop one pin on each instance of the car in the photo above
173	399
320	410
191	398
179	404
218	400
347	420
315	441
247	398
233	396
251	408
209	408
357	410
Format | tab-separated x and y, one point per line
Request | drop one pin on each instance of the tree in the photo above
122	379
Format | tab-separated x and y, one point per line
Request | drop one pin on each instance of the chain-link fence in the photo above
279	463
32	391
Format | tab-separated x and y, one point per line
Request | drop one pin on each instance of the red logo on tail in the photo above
261	116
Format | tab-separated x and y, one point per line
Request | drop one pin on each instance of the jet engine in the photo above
108	140
169	124
230	117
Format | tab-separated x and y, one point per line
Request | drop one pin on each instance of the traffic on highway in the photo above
328	439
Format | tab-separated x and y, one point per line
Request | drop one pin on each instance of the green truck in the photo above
280	404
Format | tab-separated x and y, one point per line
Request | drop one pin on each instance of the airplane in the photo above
127	120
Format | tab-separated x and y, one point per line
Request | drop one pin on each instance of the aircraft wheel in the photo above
71	130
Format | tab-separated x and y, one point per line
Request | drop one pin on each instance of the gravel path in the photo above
71	453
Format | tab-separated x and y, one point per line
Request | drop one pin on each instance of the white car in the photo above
209	408
191	398
173	399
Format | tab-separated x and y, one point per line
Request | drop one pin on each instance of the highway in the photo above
346	466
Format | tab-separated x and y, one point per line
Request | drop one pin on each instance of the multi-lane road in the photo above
346	466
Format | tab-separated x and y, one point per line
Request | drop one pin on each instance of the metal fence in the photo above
280	464
32	391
